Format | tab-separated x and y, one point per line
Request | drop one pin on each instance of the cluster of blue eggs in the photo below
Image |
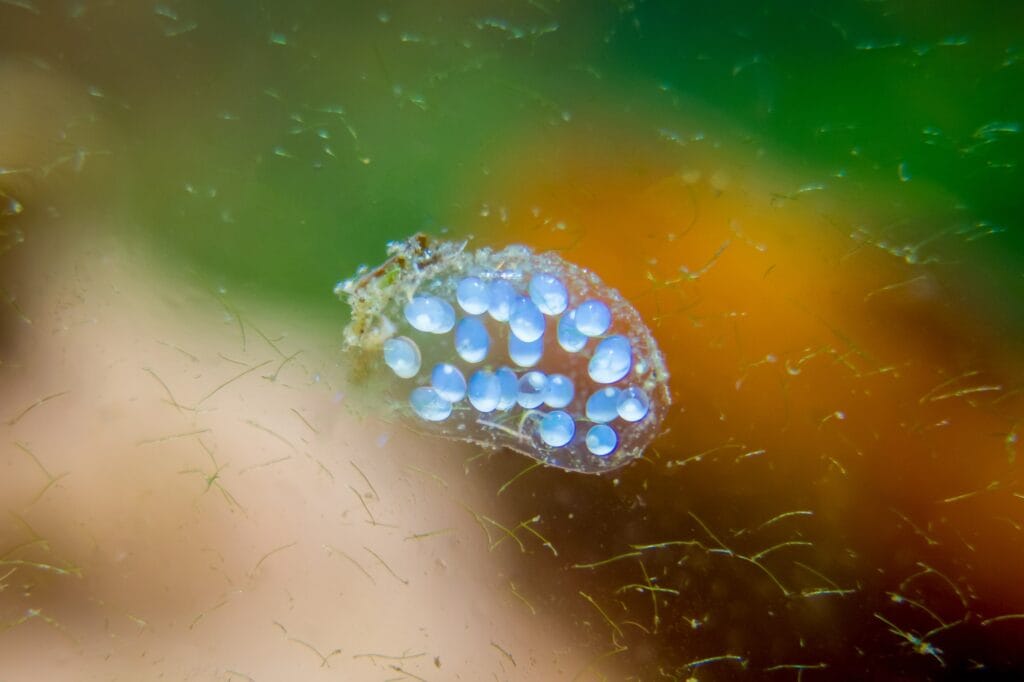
508	348
503	389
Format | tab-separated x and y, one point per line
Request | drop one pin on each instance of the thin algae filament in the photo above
508	349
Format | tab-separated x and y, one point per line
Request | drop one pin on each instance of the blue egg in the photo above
525	354
429	405
471	339
448	381
557	428
569	337
502	296
559	392
430	314
633	404
473	295
509	383
549	294
602	406
593	318
611	360
532	387
601	439
402	355
484	391
526	320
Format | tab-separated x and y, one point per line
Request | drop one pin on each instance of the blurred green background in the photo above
274	146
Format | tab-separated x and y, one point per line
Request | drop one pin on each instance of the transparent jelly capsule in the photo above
581	405
402	355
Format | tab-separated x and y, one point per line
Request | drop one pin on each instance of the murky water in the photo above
815	210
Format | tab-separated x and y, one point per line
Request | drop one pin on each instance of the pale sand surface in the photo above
190	492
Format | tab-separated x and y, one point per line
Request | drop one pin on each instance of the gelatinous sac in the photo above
508	349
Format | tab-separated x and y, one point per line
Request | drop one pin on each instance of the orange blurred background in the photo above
811	371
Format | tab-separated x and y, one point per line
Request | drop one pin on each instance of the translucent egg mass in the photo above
507	349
